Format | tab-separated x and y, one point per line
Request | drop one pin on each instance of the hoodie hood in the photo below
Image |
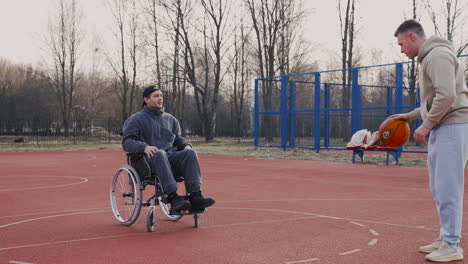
431	43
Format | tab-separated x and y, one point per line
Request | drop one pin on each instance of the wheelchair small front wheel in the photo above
126	195
150	219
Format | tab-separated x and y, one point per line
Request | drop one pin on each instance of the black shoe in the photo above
178	203
198	202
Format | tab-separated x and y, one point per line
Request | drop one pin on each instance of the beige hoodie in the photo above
444	95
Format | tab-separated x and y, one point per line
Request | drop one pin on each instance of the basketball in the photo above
394	132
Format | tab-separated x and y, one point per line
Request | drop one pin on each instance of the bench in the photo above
394	152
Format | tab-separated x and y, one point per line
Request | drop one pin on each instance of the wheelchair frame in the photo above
127	203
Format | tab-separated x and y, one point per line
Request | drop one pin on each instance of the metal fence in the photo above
108	131
322	110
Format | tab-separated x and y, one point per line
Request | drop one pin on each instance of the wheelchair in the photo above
126	194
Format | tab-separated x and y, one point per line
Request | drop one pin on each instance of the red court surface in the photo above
55	209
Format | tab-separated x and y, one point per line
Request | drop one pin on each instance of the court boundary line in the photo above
83	180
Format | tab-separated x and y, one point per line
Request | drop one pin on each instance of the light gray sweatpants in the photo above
447	157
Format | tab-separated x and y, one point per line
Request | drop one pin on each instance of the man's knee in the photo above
190	153
159	155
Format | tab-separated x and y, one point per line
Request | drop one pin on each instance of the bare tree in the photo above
241	75
151	9
273	22
413	69
452	15
64	42
5	84
176	11
94	86
8	74
348	35
266	20
290	51
126	66
203	64
346	16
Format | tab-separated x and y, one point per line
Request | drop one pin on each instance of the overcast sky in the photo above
23	24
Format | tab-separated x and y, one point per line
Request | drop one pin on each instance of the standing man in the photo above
157	134
444	111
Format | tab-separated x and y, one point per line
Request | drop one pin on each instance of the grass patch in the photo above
243	149
305	154
28	147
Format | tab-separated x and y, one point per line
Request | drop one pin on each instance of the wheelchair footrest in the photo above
187	212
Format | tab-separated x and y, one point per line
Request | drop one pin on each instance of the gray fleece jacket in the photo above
152	127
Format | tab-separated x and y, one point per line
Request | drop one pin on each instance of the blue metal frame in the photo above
327	116
317	112
389	101
284	112
356	102
288	112
399	88
256	114
292	114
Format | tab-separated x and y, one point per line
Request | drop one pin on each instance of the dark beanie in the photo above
148	91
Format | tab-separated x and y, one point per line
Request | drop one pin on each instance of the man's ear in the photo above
412	36
146	99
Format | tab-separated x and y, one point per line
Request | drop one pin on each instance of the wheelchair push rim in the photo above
126	195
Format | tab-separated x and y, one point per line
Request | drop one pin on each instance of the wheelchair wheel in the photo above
165	208
150	219
126	195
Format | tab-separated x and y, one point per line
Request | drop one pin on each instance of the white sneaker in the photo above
431	247
445	253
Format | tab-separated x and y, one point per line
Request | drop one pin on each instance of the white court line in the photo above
373	242
55	212
261	222
279	211
106	237
83	180
373	232
302	261
18	262
303	213
311	216
341	218
91	157
74	240
324	199
355	223
349	252
16	179
51	216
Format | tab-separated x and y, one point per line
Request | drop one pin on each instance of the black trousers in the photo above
169	166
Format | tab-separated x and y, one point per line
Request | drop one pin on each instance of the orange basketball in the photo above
394	132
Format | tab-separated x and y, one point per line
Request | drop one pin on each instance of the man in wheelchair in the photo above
157	134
